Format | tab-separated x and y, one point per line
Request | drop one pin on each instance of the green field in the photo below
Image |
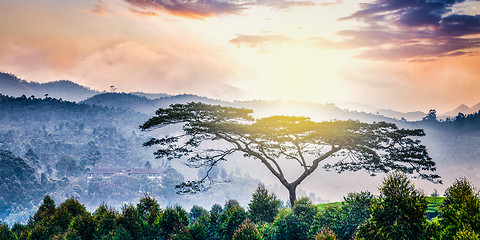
432	209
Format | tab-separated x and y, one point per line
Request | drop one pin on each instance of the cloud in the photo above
98	10
260	41
144	13
412	30
200	9
331	3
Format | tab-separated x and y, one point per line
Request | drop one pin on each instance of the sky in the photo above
406	55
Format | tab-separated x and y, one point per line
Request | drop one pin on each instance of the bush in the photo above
325	234
5	233
460	211
172	221
295	223
231	218
196	212
264	206
247	231
345	219
399	213
267	230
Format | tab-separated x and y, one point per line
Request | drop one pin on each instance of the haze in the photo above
404	55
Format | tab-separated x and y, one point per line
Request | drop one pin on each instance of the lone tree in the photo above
376	147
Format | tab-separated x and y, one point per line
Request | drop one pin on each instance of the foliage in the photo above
264	206
267	230
399	213
231	218
214	223
377	147
105	220
172	221
460	211
395	215
5	233
196	212
18	183
247	231
295	223
345	218
148	212
433	206
325	234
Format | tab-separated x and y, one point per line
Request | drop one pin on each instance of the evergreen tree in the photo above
295	224
196	212
247	231
264	206
398	214
460	211
325	234
172	220
148	212
214	224
5	233
345	219
231	218
105	220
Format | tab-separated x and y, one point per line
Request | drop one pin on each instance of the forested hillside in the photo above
11	85
48	145
59	141
400	211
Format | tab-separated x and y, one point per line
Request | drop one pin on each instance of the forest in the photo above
399	212
48	145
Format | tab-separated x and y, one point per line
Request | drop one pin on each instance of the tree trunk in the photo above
292	191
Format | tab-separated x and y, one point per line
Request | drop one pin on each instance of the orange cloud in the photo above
143	13
98	10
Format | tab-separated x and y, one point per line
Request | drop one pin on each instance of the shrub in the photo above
345	219
460	211
247	231
399	213
325	234
264	206
231	218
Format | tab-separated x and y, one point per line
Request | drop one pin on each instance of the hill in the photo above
136	102
409	116
67	90
462	109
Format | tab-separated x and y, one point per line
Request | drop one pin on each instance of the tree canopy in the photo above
373	147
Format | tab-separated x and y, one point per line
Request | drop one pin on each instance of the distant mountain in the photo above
462	109
67	90
143	104
151	95
122	100
409	116
354	106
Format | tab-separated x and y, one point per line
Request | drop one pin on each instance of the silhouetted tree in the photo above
148	165
377	147
431	116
